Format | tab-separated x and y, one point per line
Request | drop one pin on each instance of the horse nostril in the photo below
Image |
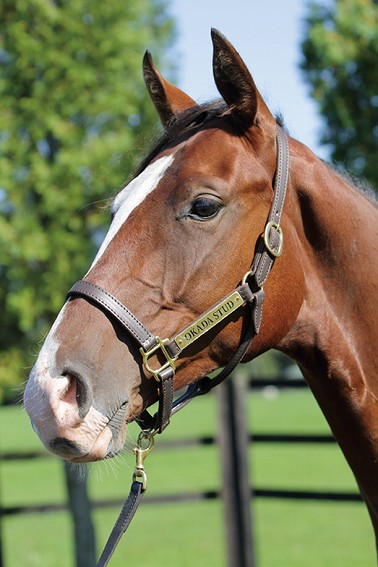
78	392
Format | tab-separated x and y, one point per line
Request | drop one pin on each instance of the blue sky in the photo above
267	34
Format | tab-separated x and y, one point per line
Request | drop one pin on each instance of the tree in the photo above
74	117
340	63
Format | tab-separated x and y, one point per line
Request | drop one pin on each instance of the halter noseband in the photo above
269	247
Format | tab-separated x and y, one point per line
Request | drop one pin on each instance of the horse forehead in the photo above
213	152
137	190
212	145
207	153
131	196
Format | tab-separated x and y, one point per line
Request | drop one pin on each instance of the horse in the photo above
229	228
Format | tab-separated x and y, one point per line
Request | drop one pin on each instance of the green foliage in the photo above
340	63
74	117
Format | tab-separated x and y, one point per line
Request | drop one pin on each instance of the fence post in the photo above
1	539
2	562
233	441
79	504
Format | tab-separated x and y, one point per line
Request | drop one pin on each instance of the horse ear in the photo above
235	83
168	99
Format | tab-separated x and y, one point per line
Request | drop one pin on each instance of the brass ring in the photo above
275	252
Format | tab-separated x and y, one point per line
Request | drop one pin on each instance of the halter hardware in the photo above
170	361
209	319
275	250
141	453
246	277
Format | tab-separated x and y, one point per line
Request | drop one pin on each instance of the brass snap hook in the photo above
144	446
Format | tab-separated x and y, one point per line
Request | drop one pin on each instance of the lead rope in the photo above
138	487
269	248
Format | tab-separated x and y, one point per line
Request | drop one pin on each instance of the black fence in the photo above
233	440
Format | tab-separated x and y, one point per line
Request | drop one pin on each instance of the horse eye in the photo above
204	208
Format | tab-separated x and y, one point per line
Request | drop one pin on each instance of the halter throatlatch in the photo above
249	293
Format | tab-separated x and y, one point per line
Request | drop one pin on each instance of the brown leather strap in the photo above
264	258
246	295
101	297
104	299
126	515
261	266
206	384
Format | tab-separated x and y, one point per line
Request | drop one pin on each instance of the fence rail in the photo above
253	438
252	492
194	442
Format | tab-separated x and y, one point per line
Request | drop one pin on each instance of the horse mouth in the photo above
108	443
117	426
97	452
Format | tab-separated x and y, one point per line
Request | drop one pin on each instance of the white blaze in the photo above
45	396
131	196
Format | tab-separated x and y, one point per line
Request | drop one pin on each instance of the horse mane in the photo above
195	117
188	121
357	183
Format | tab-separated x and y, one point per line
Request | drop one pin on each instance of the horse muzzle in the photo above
64	418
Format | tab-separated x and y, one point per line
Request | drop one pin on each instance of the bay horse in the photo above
215	194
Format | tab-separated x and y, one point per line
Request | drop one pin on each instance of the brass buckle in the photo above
275	252
146	355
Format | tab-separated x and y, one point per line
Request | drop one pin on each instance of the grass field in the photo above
287	533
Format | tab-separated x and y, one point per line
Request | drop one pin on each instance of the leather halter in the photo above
250	292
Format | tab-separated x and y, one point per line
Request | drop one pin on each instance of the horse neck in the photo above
335	335
335	225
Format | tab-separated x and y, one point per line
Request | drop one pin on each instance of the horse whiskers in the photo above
35	348
100	204
79	471
35	394
112	467
19	396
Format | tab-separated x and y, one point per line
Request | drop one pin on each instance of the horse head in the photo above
182	236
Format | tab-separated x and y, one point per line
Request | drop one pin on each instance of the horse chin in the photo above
100	450
108	444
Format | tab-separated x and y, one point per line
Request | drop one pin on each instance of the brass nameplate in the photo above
209	319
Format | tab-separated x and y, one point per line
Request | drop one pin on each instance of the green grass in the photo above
287	533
